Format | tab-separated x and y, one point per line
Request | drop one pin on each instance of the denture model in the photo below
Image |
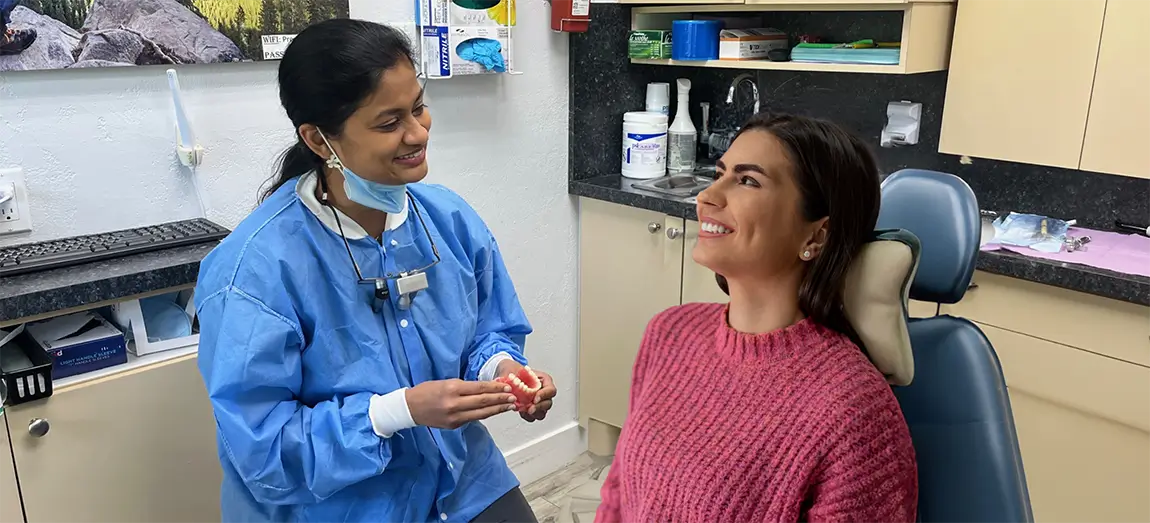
525	384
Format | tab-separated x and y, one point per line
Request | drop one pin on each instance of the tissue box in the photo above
79	343
749	44
649	44
441	45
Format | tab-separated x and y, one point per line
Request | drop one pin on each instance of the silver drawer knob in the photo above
38	427
674	234
654	227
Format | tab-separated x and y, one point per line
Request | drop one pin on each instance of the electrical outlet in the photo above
14	213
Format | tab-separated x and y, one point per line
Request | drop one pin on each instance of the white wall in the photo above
96	149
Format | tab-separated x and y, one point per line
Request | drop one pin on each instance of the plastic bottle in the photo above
682	137
644	145
659	98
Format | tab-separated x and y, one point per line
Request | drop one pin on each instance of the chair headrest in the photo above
875	301
942	211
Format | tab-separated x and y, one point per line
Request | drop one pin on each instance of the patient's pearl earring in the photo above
806	255
333	162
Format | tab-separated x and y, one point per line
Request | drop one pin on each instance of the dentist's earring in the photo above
806	255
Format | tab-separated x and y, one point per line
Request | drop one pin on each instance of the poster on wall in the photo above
70	34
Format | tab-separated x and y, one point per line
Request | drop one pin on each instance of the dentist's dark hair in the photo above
837	177
325	75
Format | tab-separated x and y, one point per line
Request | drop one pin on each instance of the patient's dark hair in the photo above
837	176
327	72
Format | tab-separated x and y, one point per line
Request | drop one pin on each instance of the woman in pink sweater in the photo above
765	410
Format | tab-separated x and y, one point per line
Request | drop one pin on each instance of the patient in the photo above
766	410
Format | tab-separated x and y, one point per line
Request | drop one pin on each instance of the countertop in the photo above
1081	278
38	293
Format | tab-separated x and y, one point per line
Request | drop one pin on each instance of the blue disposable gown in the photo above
292	350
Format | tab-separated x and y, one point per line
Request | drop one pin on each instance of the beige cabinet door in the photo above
1020	79
10	511
1083	422
629	270
1118	130
134	447
699	284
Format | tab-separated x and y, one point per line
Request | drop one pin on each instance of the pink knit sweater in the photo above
792	425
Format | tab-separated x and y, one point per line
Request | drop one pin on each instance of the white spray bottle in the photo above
681	136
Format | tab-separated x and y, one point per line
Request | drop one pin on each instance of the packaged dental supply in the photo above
649	43
1031	230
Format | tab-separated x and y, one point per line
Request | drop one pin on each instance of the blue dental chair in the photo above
969	464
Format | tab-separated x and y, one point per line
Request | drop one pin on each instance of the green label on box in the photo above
649	44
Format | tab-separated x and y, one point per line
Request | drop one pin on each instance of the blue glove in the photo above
483	51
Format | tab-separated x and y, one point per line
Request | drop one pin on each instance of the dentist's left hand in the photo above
543	399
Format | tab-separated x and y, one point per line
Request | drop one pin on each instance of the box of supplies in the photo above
158	323
464	37
750	44
79	343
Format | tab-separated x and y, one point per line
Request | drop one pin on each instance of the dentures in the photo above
525	384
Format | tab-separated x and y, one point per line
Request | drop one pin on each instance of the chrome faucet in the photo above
745	77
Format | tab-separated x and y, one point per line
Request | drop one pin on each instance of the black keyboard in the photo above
64	252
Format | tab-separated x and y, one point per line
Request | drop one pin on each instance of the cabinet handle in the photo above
654	227
38	427
674	234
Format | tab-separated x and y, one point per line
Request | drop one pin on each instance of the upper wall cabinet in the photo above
1020	79
1119	120
1061	83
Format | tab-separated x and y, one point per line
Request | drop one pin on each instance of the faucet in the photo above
745	77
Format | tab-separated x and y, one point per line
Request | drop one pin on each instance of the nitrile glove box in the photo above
457	41
79	343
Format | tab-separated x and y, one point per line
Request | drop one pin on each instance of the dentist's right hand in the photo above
450	404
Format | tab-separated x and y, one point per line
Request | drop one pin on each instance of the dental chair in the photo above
957	407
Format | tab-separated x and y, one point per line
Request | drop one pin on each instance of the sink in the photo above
678	185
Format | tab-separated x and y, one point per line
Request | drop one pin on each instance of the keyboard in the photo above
54	254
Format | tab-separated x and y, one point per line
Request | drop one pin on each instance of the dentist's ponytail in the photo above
326	73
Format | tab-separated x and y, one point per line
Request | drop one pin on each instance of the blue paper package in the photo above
695	39
1040	233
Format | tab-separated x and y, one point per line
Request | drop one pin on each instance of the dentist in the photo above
352	325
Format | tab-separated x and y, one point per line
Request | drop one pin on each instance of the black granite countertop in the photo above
1082	278
107	280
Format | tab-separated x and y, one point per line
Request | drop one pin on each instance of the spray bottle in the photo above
682	137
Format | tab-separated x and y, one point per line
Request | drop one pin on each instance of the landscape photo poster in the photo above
69	34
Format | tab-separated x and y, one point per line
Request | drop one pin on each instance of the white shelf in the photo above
778	66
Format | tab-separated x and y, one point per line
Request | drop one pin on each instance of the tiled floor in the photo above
552	497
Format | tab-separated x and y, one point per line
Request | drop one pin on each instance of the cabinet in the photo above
1119	119
10	511
630	269
138	446
1011	94
1079	103
1076	368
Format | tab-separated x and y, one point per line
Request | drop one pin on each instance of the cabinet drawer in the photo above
1104	387
1100	325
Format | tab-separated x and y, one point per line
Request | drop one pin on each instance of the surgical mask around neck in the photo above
379	196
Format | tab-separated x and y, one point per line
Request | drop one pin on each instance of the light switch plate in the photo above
15	215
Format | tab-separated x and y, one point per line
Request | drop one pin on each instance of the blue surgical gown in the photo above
292	349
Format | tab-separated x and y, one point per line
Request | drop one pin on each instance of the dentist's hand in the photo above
450	404
538	411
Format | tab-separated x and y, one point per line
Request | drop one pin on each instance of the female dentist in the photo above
352	325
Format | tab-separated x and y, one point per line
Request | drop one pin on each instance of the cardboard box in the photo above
750	44
79	343
444	25
649	43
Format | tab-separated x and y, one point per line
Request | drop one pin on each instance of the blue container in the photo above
695	39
